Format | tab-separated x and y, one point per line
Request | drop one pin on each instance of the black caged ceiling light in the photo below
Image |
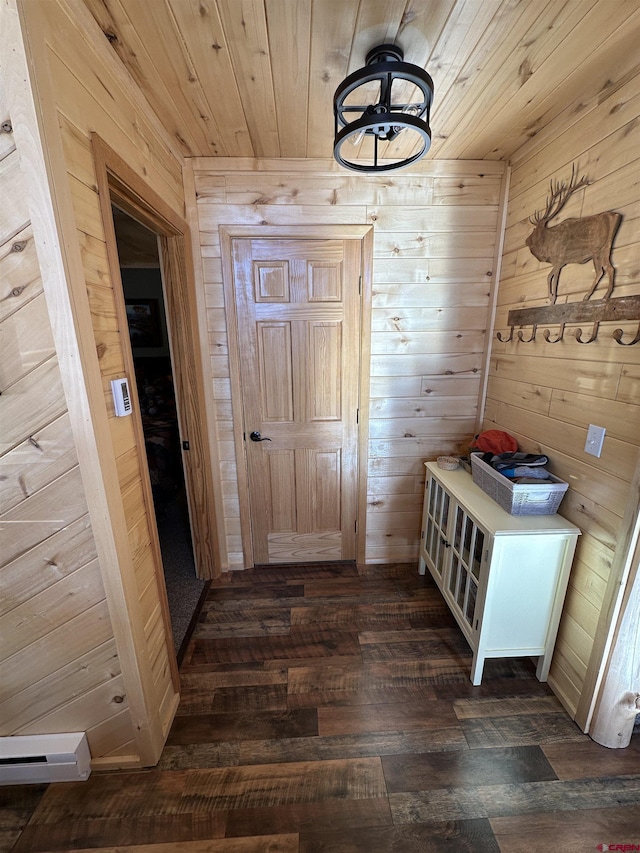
381	113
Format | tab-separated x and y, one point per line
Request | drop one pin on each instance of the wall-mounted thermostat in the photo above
121	396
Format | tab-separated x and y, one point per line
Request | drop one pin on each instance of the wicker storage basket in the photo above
518	499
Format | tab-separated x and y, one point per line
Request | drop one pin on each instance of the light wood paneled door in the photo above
298	315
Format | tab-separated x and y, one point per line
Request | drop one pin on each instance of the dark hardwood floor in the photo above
326	711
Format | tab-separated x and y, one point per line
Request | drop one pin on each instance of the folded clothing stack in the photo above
519	467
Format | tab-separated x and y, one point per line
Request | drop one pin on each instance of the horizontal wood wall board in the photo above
43	457
553	435
13	217
87	710
56	649
45	564
85	673
546	395
34	618
110	732
22	351
446	277
598	379
622	420
421	448
20	280
421	407
41	515
629	387
430	294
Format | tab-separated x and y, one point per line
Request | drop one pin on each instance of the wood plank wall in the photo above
82	66
435	236
547	394
73	625
60	668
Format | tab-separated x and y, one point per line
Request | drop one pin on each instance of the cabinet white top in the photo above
490	514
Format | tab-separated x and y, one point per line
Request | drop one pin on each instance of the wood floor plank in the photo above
569	796
305	643
234	699
436	806
258	786
460	769
192	756
373	676
521	730
244	677
554	831
256	844
108	796
401	716
471	836
340	815
393	615
17	804
252	592
358	586
329	709
209	728
435	647
351	746
469	709
115	832
590	760
319	698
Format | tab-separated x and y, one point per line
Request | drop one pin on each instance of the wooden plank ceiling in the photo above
255	78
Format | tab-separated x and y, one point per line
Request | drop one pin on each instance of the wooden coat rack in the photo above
574	241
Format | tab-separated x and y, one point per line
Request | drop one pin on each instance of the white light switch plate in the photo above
595	438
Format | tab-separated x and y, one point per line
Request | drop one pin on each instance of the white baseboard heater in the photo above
44	758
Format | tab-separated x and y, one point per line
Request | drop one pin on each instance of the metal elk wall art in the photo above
574	241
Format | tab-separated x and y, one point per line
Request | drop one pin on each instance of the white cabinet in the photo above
504	577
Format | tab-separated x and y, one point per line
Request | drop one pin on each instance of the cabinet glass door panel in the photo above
457	532
478	547
453	575
437	525
470	606
462	587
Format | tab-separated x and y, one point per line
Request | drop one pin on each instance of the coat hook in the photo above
505	340
533	335
618	333
594	334
547	335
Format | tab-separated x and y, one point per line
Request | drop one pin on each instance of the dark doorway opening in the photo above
141	276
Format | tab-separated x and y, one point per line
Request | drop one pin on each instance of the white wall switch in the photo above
595	438
121	397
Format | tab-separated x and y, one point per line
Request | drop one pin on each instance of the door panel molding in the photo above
272	290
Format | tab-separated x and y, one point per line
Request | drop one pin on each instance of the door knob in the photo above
255	436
